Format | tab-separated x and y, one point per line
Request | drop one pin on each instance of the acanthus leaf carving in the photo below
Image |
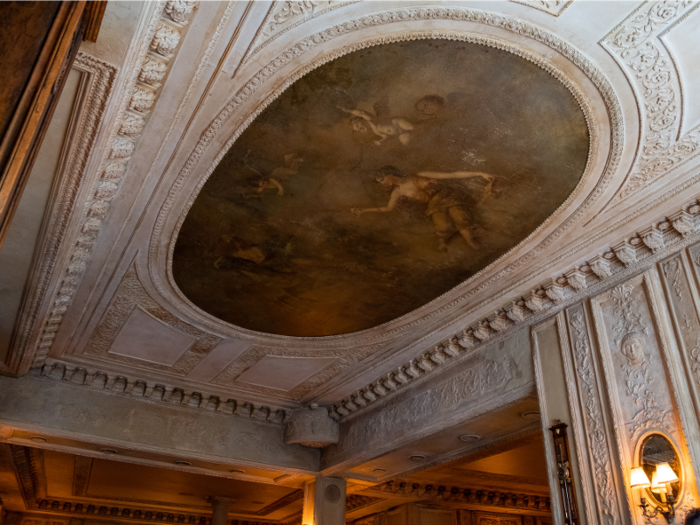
131	125
654	239
165	39
289	9
626	253
142	99
152	71
601	267
121	148
179	10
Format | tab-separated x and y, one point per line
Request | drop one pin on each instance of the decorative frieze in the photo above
465	495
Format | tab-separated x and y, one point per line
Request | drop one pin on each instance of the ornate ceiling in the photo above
178	259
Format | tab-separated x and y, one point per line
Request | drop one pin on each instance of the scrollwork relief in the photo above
632	332
552	7
486	376
593	417
635	44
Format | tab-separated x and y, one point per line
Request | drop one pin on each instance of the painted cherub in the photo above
380	123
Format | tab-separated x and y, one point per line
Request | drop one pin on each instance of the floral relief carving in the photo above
288	10
672	270
634	42
131	125
142	99
179	10
632	335
597	436
165	39
152	71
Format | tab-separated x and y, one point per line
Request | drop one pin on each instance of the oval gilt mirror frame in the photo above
657	448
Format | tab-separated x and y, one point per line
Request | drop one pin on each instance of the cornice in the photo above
464	495
641	250
159	393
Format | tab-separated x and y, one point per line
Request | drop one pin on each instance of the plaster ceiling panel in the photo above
526	461
496	429
146	338
154	486
376	183
283	373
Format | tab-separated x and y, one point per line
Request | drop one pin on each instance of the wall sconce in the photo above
662	477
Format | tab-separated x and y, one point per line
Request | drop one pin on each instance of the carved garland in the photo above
166	29
635	254
371	21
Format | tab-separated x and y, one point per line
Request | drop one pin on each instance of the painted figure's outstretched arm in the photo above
357	113
456	175
393	201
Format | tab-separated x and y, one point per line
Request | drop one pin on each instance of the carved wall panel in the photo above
683	302
591	408
635	357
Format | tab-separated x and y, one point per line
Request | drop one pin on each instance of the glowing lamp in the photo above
665	474
639	479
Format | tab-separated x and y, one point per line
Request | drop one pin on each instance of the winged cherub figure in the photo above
380	123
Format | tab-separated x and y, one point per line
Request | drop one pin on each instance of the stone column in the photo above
324	502
220	507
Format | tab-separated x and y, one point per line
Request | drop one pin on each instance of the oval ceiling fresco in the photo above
376	183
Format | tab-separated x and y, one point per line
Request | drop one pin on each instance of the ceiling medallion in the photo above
376	183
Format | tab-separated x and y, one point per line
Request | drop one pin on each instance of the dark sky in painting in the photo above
271	243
